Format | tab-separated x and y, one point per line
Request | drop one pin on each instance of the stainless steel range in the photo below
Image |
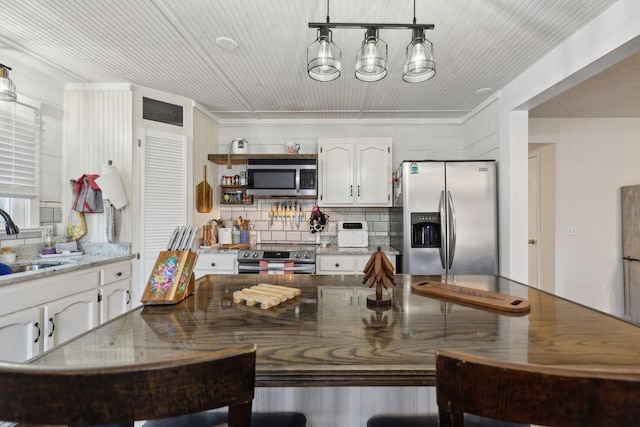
276	258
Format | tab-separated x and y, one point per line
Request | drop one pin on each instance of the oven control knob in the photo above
255	255
245	254
297	255
306	255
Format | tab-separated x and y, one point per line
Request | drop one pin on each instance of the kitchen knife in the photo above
172	239
185	238
178	243
192	237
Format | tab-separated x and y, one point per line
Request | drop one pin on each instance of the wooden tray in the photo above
472	296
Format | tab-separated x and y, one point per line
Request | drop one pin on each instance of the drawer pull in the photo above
337	264
128	297
213	264
119	273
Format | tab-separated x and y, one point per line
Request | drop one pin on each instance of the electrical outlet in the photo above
572	230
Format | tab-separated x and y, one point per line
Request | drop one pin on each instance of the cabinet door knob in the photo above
119	273
337	264
213	264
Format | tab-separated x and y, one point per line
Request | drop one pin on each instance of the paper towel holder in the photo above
112	188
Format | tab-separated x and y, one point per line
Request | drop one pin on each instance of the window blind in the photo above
19	145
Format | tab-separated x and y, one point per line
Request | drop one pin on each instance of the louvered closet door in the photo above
163	192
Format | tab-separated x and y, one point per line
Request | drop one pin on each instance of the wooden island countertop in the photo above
327	336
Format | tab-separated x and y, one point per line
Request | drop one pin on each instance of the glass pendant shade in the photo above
324	59
419	65
7	88
371	59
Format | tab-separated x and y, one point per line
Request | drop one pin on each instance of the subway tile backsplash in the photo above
268	229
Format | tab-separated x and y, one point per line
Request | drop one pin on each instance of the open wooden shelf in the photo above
241	159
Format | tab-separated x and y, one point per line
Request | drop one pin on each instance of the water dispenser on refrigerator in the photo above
425	230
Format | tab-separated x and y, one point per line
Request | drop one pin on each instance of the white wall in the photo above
594	158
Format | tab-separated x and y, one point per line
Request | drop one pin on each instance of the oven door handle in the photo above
254	267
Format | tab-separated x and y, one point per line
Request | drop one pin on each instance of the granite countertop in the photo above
66	263
336	250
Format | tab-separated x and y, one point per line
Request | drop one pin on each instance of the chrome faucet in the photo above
10	226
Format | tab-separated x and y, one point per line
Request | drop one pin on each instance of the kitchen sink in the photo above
35	266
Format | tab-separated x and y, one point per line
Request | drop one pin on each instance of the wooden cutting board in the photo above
204	195
473	296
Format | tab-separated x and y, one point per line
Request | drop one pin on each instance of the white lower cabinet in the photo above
20	335
39	314
345	264
216	263
69	317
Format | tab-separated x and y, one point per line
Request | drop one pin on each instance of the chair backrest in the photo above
117	394
534	394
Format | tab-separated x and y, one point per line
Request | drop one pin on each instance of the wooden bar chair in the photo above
533	394
41	395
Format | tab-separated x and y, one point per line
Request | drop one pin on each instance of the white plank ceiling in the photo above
170	45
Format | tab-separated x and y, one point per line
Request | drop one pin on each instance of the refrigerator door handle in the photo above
443	236
452	229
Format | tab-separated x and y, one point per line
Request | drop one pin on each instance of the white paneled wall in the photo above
99	127
481	134
205	142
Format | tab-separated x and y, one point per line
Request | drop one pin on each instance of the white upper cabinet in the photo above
354	172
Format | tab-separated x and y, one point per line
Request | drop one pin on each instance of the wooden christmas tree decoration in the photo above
378	271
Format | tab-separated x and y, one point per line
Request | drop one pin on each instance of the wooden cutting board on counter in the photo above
472	296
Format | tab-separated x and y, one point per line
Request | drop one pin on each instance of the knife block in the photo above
171	279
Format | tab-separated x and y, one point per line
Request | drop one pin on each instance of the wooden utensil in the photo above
204	195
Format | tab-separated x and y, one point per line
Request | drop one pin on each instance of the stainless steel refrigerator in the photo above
631	251
449	220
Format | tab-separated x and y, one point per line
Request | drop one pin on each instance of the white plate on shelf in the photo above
63	254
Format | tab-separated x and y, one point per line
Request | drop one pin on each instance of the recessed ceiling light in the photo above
483	91
226	43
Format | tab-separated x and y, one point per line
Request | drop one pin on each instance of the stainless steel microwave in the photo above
282	177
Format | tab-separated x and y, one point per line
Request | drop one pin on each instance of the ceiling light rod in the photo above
364	25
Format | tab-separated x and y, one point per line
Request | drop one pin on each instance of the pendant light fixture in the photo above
419	65
324	57
7	88
371	59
